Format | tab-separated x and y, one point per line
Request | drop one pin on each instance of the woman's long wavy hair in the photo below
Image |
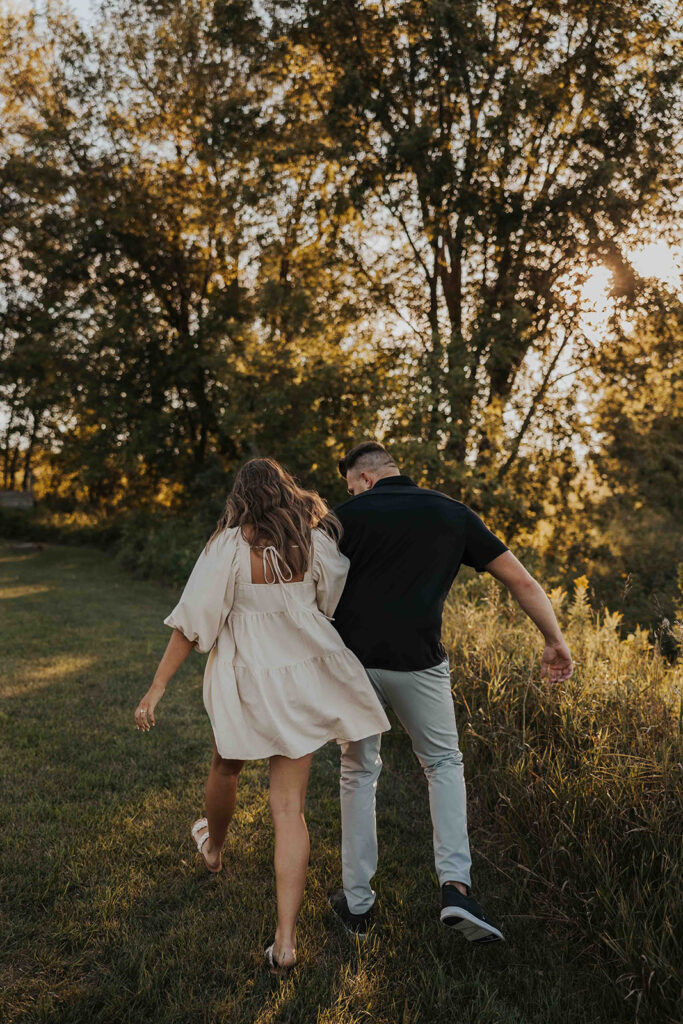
266	497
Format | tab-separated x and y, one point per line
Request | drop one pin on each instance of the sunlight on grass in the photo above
40	673
12	592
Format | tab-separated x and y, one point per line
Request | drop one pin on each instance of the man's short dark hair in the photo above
372	452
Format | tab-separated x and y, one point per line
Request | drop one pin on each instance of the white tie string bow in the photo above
274	565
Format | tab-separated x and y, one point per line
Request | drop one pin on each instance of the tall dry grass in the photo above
577	786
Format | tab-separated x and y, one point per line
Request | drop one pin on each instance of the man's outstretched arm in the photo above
556	662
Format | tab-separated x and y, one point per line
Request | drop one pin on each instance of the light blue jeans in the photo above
423	703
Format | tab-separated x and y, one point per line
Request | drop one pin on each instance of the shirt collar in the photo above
401	481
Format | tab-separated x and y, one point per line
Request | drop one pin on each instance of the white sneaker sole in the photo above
470	926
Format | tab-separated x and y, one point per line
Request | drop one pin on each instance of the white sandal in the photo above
273	965
199	842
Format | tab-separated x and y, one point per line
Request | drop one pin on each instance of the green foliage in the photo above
496	148
623	526
160	548
167	269
57	526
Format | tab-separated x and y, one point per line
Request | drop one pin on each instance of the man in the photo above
406	544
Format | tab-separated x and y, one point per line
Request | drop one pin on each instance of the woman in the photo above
279	682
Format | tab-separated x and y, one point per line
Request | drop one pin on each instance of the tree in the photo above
39	271
637	512
202	298
617	517
496	150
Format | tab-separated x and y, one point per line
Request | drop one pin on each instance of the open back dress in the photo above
278	679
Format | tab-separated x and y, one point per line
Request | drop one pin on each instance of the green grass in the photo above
109	916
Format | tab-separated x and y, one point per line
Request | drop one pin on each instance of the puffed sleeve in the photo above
330	569
208	595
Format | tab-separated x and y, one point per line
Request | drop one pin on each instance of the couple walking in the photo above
281	680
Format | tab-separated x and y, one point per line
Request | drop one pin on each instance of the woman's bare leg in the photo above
288	782
220	797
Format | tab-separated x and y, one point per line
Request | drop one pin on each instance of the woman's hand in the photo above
144	713
177	650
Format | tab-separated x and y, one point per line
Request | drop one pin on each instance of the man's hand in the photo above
556	663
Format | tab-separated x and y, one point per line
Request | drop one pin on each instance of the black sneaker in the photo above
355	924
465	915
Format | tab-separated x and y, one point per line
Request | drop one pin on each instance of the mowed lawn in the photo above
108	914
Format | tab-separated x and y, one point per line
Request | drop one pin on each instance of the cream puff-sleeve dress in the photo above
278	679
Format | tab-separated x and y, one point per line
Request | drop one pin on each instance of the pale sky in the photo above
81	7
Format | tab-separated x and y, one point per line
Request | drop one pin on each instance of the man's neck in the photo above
383	476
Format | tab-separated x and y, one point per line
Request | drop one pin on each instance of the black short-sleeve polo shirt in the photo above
406	544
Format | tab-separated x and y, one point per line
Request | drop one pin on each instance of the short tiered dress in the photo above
278	679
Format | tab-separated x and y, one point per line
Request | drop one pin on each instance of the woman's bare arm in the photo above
177	649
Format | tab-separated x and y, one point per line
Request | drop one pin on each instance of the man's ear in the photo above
367	480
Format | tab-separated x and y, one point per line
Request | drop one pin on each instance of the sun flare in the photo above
657	259
653	260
